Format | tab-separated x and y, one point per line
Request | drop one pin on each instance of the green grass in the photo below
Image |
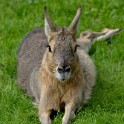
17	17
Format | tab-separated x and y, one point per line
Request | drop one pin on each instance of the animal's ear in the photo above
49	26
73	26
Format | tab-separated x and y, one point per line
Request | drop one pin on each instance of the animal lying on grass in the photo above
55	68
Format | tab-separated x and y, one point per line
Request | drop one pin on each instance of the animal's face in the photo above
62	54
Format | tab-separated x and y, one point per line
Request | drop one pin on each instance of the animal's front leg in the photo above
69	113
45	118
44	113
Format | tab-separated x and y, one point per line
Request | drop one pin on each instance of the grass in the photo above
17	17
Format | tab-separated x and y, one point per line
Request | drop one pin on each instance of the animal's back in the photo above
30	56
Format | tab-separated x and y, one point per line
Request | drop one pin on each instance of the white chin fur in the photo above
62	76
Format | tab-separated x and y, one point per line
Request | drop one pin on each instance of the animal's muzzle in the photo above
63	72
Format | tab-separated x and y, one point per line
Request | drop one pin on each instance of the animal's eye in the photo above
49	48
76	48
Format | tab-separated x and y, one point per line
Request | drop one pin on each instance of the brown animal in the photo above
55	69
87	38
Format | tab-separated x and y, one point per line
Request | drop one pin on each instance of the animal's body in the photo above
53	70
49	92
30	57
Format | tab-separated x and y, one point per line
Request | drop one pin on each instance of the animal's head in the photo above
90	35
61	54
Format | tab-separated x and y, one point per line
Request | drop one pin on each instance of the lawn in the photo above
17	17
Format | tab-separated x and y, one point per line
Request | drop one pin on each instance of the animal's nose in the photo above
64	69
